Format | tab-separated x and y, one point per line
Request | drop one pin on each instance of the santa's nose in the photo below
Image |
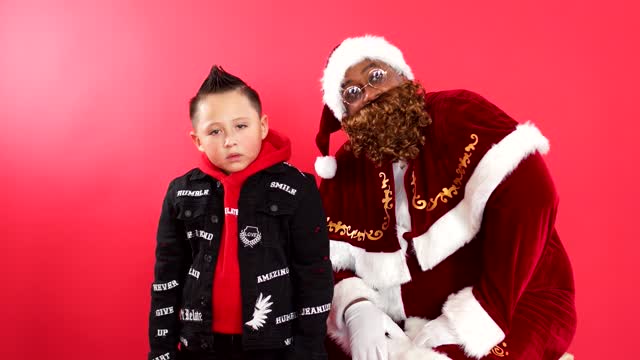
371	94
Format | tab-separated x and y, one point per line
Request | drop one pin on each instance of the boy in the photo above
242	258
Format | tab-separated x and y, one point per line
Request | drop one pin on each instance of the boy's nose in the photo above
229	141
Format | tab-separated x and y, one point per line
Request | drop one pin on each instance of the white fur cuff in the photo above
475	329
458	226
344	293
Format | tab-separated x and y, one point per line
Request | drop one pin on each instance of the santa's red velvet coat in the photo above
466	229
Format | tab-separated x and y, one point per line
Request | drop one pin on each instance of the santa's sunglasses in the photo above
354	94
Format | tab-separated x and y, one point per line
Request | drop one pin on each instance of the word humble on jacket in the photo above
286	317
194	193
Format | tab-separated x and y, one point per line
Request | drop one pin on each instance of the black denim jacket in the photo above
283	252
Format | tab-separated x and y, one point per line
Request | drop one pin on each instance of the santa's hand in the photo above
435	333
402	348
368	327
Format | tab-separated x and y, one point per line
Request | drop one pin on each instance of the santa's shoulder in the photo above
460	111
454	97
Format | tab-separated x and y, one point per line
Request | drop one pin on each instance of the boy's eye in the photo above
214	132
241	126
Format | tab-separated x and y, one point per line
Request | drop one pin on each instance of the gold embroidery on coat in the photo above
386	200
344	229
499	351
446	193
417	202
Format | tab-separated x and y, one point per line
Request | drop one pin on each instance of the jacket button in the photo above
214	219
203	301
273	207
208	258
217	184
187	213
204	345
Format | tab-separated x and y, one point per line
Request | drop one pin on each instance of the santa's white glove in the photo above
402	348
435	333
368	328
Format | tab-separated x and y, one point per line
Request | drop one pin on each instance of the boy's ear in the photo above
196	140
264	126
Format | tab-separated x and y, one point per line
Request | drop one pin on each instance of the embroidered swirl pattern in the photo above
386	200
450	192
499	351
343	229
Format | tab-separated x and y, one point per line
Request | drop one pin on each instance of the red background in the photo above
93	103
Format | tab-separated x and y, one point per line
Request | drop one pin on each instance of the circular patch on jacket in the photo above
250	236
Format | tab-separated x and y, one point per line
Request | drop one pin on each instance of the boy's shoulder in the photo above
286	172
191	175
286	169
187	180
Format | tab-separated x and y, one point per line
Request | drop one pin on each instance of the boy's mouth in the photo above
233	157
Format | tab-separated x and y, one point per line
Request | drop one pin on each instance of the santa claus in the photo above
441	214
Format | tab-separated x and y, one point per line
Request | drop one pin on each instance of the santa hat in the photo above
350	52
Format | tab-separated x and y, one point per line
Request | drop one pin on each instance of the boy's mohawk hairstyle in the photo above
220	81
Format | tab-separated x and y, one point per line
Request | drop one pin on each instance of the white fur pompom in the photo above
326	166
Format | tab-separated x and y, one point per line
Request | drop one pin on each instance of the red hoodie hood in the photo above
275	148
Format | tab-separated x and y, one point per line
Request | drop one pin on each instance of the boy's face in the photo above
229	130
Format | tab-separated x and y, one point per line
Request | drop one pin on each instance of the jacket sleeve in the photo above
172	258
518	221
311	274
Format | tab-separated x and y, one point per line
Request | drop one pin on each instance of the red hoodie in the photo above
227	304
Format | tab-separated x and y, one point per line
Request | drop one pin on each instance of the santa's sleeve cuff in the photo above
477	332
345	292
